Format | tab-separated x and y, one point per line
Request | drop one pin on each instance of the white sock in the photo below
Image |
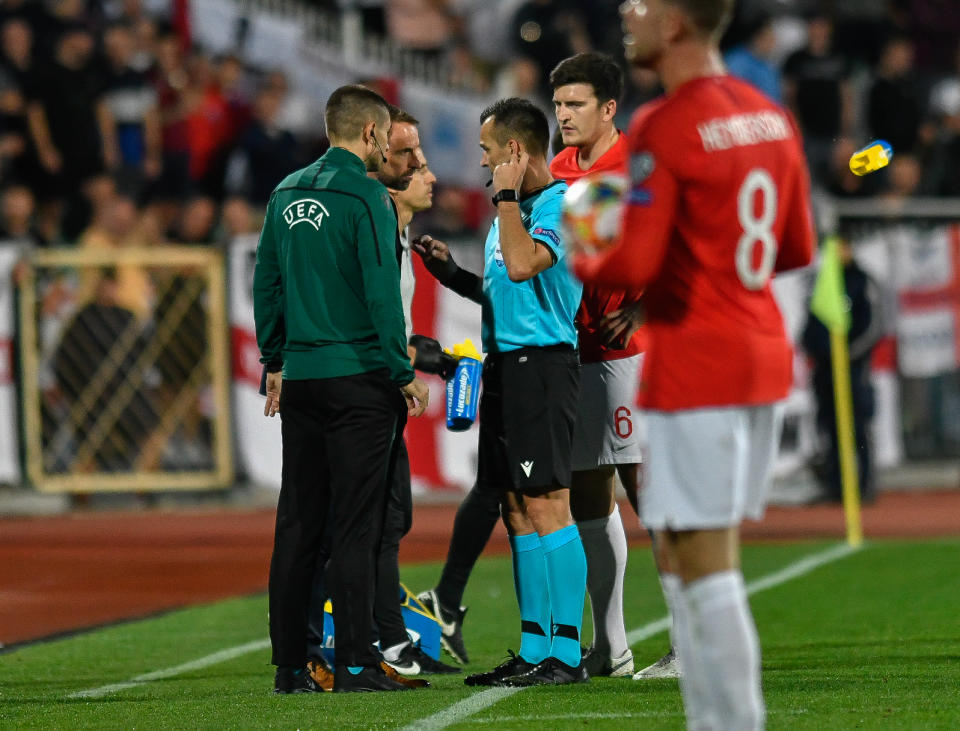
728	648
605	545
694	684
392	654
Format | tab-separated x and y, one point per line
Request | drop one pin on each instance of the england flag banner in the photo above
928	285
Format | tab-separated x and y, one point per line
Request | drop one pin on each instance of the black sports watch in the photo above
507	194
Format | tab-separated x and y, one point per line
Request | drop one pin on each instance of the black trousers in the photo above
390	628
387	614
340	440
861	392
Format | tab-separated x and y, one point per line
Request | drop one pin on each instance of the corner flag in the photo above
829	300
830	305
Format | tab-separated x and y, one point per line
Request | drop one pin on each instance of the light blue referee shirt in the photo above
539	311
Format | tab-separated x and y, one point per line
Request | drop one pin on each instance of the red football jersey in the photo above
719	201
597	301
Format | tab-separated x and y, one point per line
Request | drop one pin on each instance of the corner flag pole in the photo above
829	304
843	405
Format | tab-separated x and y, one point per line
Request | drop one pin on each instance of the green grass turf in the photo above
869	641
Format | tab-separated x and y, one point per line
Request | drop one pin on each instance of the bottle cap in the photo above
871	158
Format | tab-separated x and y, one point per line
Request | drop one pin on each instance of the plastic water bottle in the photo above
463	390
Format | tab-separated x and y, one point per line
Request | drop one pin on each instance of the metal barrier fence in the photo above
125	370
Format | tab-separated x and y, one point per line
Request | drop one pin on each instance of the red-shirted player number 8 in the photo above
756	229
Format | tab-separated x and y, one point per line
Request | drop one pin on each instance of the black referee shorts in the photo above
527	412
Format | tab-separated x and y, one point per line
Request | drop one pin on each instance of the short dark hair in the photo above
520	118
350	108
710	16
596	69
398	115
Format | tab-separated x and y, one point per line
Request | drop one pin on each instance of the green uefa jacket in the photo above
326	289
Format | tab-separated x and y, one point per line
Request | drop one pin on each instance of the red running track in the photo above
82	570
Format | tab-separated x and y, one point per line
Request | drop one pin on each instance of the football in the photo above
591	213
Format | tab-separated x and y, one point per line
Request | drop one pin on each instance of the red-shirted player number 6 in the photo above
622	422
756	229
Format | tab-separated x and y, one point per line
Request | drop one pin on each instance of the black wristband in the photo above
507	194
463	283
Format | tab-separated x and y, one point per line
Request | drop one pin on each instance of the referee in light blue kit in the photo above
531	380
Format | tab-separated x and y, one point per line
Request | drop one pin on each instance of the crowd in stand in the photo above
116	131
113	128
850	71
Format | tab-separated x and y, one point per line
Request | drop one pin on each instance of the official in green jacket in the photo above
331	332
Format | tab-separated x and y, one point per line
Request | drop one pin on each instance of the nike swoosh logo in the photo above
411	668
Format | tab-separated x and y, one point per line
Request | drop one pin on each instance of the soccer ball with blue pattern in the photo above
592	208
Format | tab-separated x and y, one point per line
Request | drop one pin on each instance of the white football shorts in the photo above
609	428
708	468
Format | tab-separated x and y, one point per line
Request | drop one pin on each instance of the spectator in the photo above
232	82
864	333
818	91
117	227
17	207
896	103
16	50
210	129
14	161
903	181
132	100
197	222
172	80
236	219
70	124
751	61
521	77
266	153
145	45
100	350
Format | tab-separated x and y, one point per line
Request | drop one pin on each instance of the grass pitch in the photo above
866	640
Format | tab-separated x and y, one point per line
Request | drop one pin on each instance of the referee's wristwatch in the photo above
507	194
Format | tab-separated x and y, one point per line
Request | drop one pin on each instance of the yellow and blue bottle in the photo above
871	158
463	390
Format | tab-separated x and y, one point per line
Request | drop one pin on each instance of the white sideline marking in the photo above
480	701
462	709
604	716
793	571
484	699
215	659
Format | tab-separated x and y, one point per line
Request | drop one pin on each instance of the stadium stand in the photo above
137	124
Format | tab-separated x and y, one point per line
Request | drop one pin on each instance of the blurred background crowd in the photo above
140	123
115	128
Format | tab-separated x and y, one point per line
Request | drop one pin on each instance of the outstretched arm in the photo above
438	260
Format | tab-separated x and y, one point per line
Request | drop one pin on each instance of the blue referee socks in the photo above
566	566
530	582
